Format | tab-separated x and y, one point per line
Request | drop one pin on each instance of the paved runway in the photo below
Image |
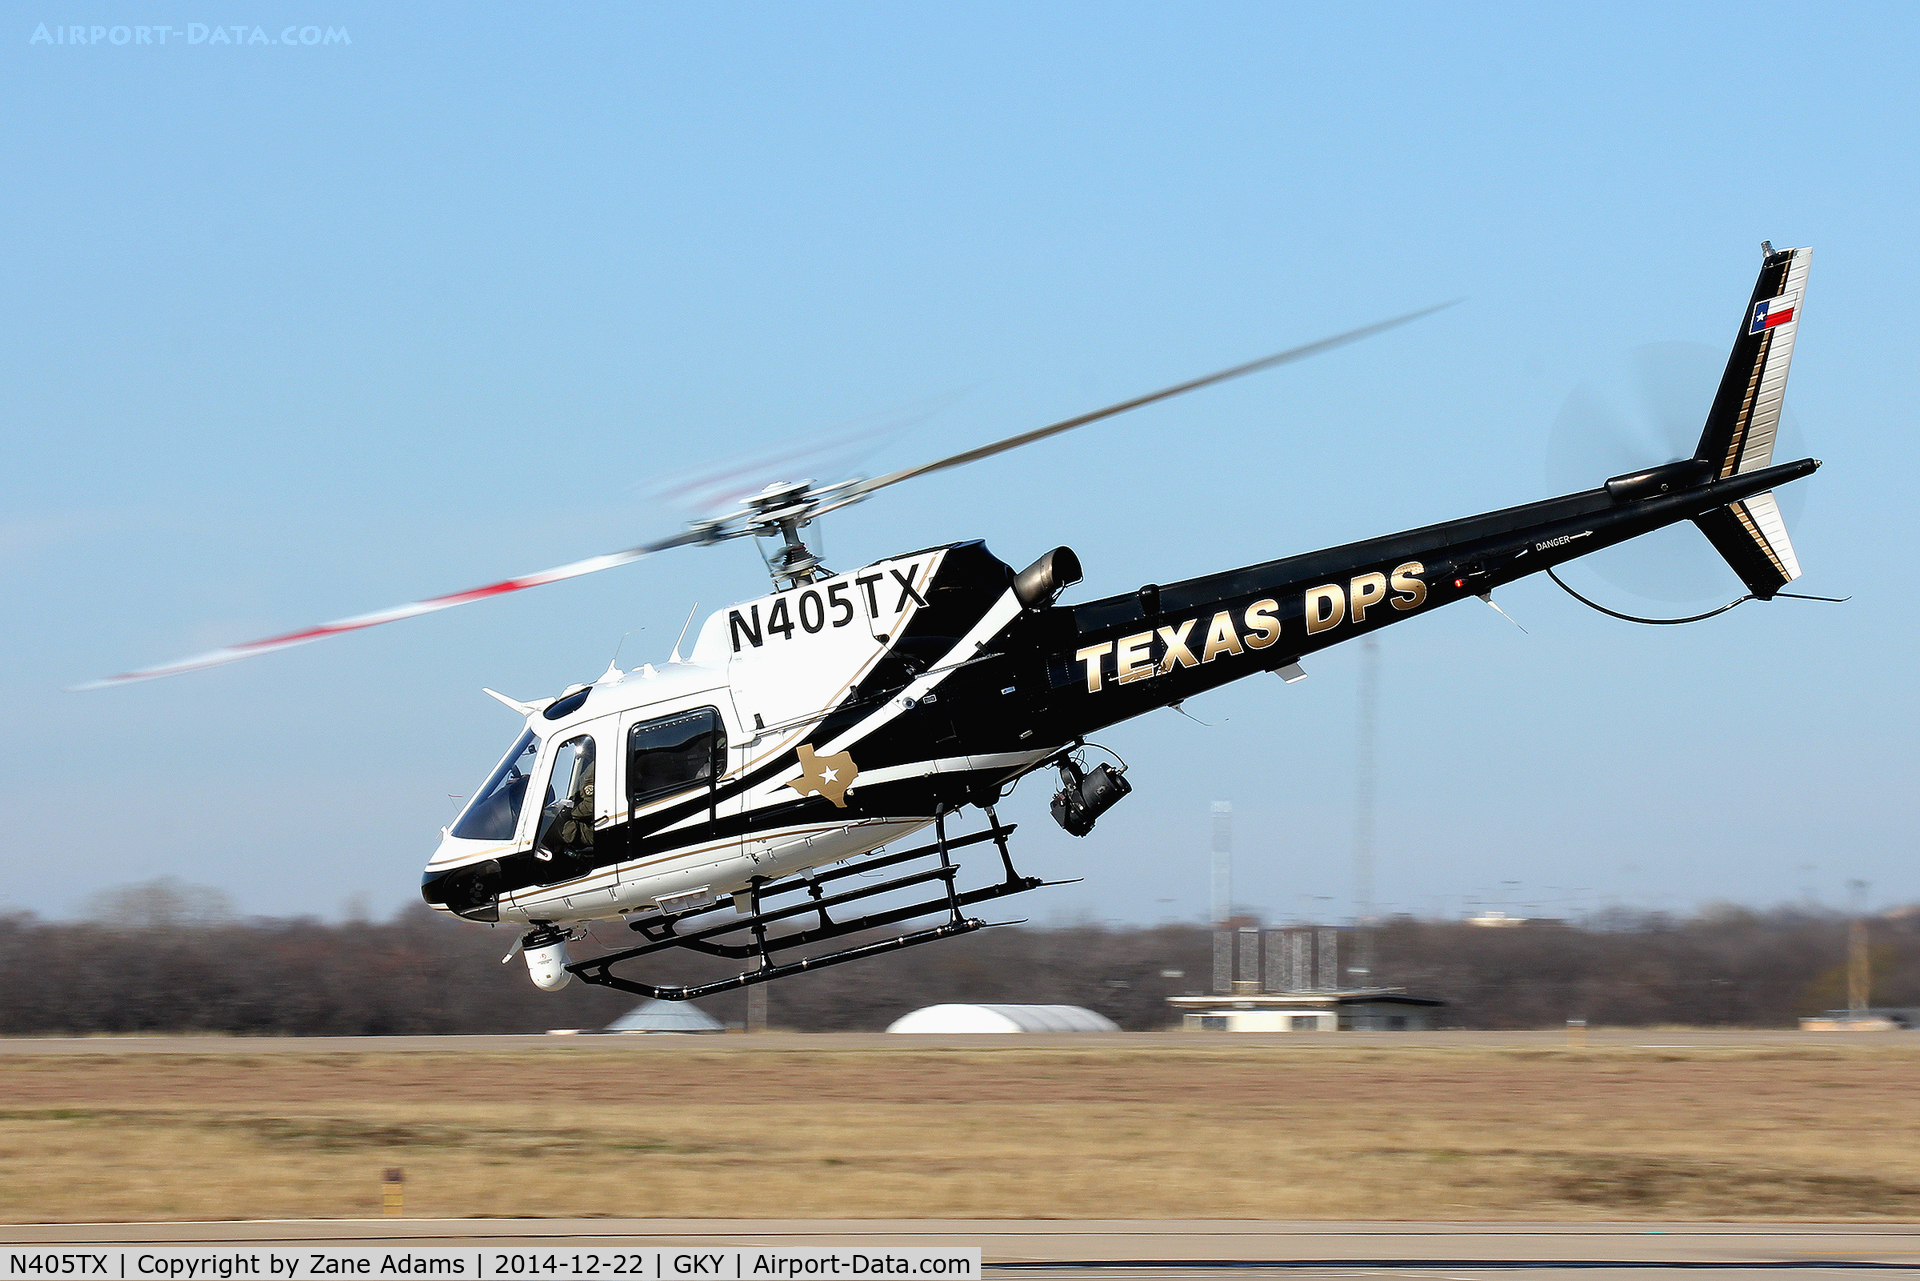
1600	1038
1190	1248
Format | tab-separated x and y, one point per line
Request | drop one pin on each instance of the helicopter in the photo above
745	800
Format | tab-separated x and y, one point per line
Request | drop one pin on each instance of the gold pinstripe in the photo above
1744	418
1739	510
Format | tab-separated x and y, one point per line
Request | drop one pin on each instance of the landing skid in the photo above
683	929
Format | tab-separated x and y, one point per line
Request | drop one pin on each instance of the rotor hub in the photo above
781	511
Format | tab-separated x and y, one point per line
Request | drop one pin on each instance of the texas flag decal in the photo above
1770	313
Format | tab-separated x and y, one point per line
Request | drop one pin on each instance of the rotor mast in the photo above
782	510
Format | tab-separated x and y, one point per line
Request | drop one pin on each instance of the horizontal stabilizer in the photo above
1753	539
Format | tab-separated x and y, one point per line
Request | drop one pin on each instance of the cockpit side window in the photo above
674	753
566	823
495	809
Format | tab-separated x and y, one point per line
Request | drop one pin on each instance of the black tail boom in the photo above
1129	654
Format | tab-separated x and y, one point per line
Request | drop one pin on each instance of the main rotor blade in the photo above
1165	393
699	534
433	604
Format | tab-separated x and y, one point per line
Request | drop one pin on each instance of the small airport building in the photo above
1355	1010
1289	980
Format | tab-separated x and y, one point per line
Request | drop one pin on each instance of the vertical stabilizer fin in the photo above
1745	419
1746	411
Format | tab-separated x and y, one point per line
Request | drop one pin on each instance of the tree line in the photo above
157	959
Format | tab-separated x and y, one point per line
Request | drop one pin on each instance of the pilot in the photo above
576	827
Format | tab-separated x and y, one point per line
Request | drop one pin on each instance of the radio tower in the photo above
1363	802
1222	906
1859	970
1222	863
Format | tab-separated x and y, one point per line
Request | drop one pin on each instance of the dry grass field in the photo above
723	1128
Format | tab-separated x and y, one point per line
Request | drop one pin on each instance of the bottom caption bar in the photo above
286	1263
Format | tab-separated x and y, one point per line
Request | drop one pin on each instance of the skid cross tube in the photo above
662	932
947	869
999	835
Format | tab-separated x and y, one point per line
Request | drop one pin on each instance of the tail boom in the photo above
1115	658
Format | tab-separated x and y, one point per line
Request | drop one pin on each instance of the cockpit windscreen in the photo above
495	808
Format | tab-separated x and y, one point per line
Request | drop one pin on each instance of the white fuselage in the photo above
764	674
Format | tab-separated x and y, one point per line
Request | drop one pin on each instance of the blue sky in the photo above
298	331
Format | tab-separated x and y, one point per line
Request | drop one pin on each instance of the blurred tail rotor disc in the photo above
1644	407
